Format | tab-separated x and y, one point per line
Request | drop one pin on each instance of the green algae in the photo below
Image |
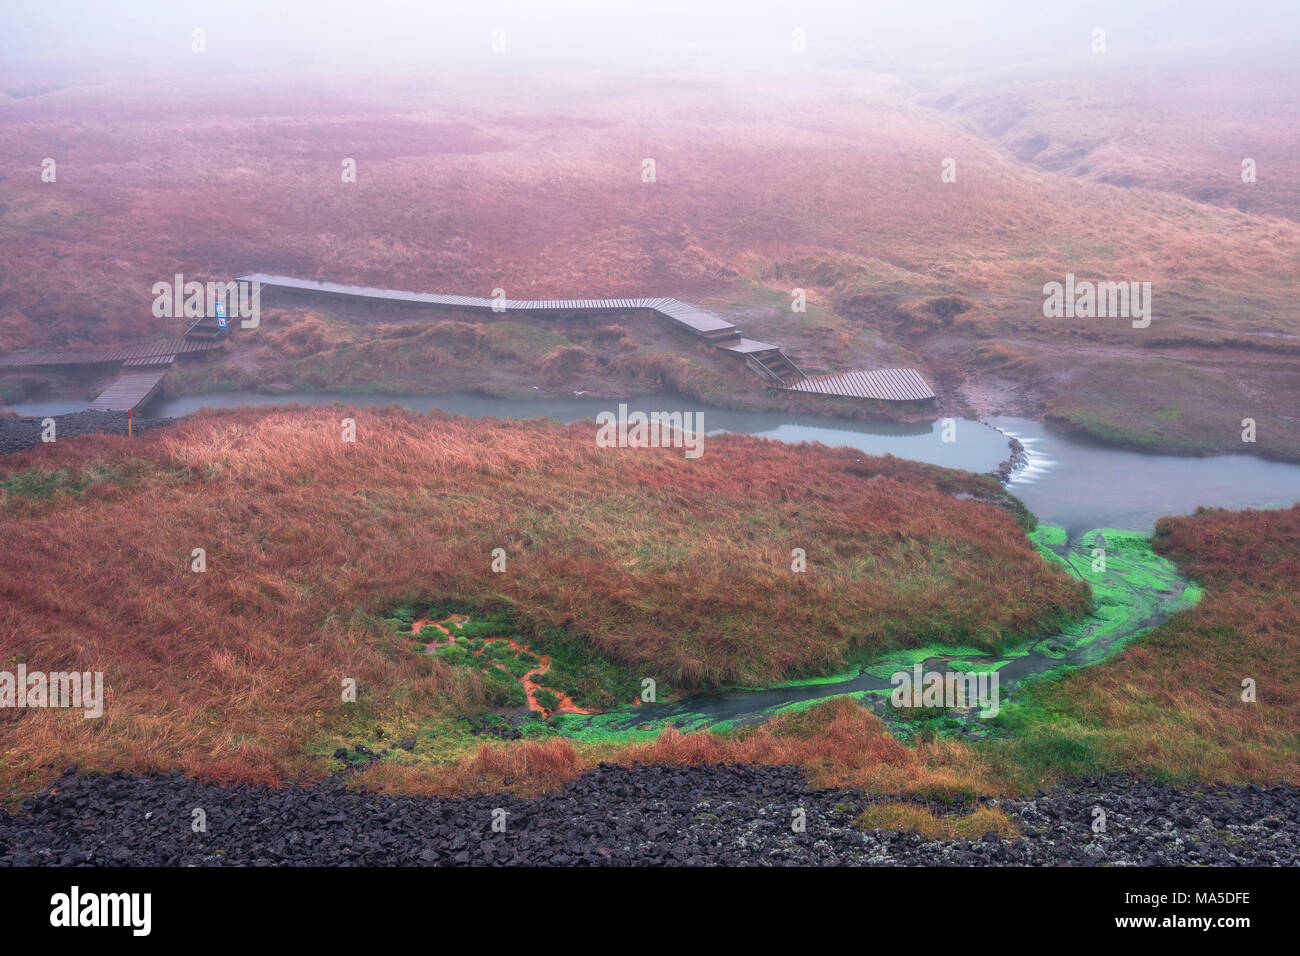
1133	589
906	658
836	678
613	727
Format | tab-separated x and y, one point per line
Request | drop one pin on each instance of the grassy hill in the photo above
662	566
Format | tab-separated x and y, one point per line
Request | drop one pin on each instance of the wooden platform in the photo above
691	317
743	346
133	389
886	384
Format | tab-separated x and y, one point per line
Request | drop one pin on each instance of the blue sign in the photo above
221	316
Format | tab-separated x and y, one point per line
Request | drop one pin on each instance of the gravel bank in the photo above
17	434
713	815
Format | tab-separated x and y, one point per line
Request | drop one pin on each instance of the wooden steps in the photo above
206	329
776	367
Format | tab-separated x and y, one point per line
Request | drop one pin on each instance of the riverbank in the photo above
21	433
1133	396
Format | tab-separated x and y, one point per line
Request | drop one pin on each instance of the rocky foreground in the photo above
694	816
17	434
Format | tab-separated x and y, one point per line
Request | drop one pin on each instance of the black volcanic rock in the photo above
692	816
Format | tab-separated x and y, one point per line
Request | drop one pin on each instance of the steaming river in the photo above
1068	481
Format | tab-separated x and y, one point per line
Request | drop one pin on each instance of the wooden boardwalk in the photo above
769	362
144	366
129	353
702	322
132	389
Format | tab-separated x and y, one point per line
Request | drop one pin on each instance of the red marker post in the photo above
128	423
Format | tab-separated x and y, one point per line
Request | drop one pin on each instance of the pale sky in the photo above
140	37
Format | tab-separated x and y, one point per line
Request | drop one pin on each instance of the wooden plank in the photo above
149	360
893	385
